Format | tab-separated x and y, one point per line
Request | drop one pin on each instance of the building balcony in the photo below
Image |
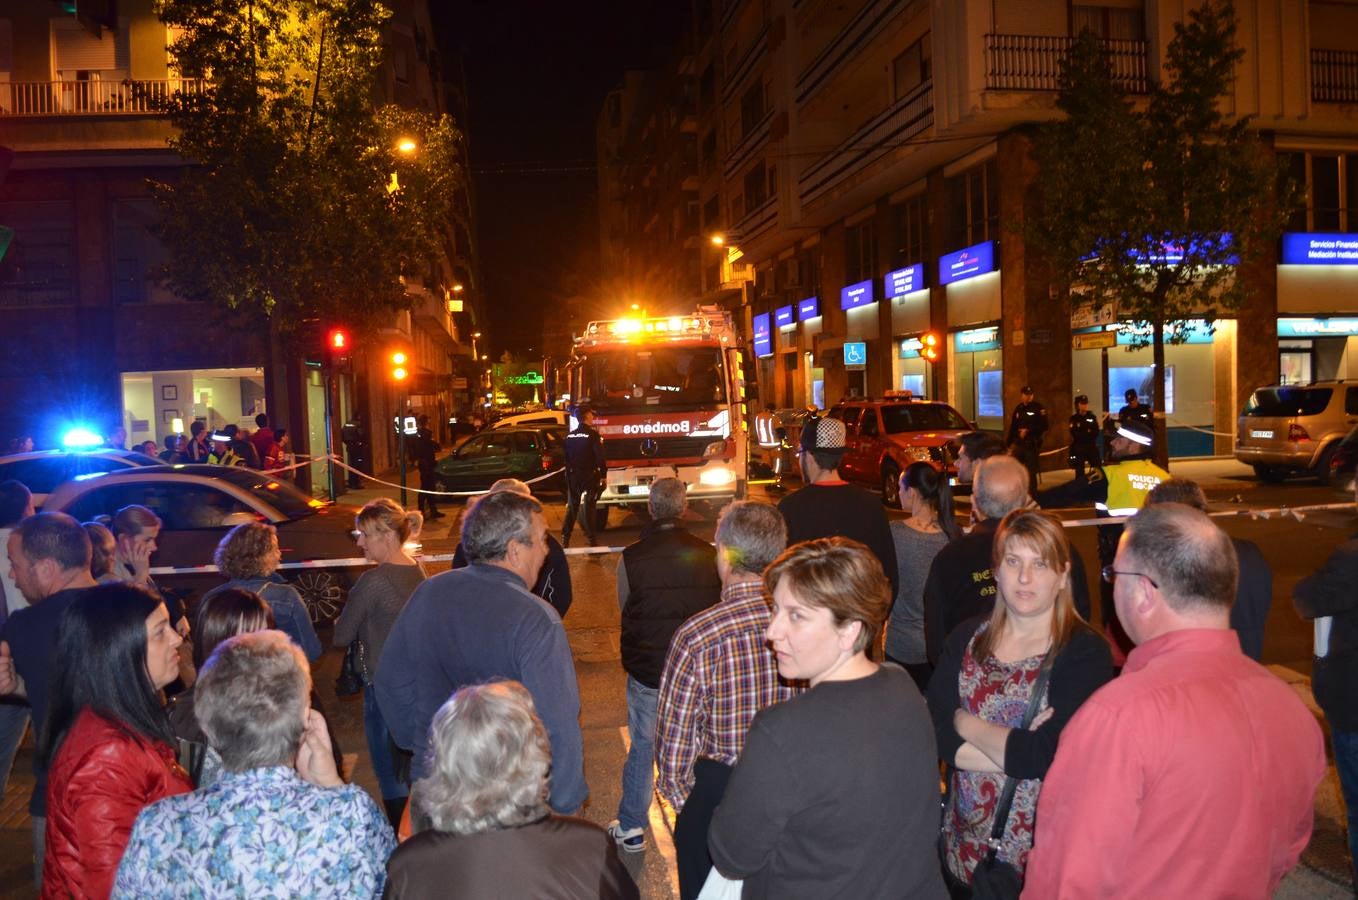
748	63
1032	62
757	220
885	132
1334	76
846	46
750	143
140	97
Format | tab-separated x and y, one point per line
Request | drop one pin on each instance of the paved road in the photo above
1294	547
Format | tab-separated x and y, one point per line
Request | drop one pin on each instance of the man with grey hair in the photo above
666	577
472	625
1194	773
718	673
278	788
49	558
554	581
960	584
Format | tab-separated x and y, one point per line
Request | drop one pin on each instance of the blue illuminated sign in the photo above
975	260
855	355
910	348
1195	331
859	294
1304	248
782	316
1173	254
977	339
904	281
1317	327
763	346
808	309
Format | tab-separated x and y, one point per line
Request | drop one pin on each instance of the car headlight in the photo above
716	448
717	476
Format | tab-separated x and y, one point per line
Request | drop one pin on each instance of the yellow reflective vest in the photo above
1128	484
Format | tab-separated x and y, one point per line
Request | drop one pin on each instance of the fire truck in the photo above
669	397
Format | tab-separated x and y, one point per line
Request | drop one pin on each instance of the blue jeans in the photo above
13	722
1346	763
638	773
379	748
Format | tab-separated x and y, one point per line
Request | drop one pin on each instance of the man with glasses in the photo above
1194	773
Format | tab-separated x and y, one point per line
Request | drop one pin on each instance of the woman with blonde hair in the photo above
376	599
249	556
836	792
482	817
1004	688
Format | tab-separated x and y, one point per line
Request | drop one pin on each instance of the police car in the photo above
42	470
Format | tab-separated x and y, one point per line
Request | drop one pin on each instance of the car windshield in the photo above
278	494
922	417
1282	402
675	378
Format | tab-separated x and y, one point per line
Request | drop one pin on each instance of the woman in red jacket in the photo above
107	736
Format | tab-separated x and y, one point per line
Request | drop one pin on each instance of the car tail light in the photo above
1297	434
546	462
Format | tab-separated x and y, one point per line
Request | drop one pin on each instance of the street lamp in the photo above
407	146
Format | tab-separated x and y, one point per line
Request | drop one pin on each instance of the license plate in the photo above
1261	434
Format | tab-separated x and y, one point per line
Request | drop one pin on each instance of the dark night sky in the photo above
537	74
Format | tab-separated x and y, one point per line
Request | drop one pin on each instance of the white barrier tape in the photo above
1057	450
281	470
1178	424
356	561
1296	512
348	468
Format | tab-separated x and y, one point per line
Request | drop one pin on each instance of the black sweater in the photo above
841	510
1083	666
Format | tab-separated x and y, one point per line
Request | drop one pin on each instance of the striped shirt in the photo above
719	672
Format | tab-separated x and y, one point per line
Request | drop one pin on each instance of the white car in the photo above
42	470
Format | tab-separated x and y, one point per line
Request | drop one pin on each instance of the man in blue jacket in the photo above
480	624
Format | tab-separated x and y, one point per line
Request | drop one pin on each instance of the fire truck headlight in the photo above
716	448
717	476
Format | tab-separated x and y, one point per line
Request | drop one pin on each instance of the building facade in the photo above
90	337
871	169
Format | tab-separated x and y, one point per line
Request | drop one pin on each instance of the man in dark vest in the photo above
664	578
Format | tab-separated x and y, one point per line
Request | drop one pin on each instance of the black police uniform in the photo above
1031	416
1142	412
1084	442
586	469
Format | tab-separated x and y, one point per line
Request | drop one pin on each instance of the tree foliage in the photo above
287	205
1154	206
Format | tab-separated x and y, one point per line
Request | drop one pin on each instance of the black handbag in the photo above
992	879
350	680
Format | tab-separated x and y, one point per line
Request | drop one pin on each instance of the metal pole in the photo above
401	445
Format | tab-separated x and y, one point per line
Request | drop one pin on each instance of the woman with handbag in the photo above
376	599
836	792
1004	688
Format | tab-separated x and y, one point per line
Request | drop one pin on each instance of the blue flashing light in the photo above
77	438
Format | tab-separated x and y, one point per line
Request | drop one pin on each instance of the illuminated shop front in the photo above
158	404
976	360
909	297
1317	307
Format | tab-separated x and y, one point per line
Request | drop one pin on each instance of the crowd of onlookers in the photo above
793	692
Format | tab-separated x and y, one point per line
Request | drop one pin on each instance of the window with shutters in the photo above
79	55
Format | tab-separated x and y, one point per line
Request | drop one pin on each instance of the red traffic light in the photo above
929	346
339	339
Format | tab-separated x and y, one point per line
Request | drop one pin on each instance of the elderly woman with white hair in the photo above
482	817
279	821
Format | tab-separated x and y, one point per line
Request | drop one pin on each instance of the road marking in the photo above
661	817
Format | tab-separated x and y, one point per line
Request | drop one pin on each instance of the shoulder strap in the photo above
1011	783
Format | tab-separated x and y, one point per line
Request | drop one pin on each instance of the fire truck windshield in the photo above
639	378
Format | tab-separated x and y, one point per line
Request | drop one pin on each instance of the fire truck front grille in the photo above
666	447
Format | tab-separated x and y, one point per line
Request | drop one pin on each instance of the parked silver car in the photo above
1295	428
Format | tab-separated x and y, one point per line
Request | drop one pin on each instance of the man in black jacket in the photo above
1027	426
423	449
664	578
960	584
1084	438
586	469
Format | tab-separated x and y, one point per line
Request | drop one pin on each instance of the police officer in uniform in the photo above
586	469
1134	409
1084	438
1026	428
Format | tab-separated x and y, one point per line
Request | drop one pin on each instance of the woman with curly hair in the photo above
482	814
249	556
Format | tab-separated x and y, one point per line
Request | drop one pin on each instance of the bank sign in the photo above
855	295
1306	248
808	309
904	281
763	346
975	260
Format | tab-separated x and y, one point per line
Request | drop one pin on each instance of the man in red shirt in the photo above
1194	774
263	438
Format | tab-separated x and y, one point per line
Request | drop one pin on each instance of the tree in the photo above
1156	208
298	200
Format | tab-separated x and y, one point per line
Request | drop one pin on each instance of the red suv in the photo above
884	436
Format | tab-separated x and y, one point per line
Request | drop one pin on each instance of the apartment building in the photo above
869	168
90	337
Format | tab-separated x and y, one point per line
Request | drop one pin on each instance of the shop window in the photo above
912	68
860	252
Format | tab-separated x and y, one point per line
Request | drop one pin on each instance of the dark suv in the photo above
884	436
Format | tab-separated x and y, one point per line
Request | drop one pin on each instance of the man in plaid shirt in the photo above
719	672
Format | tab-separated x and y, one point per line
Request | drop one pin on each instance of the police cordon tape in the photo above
348	468
1296	512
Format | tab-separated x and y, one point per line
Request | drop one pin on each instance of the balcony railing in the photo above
756	220
887	131
1334	76
846	45
129	97
1032	62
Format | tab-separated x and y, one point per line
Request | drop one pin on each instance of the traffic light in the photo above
399	360
929	346
338	341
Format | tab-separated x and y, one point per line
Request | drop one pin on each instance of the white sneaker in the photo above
633	840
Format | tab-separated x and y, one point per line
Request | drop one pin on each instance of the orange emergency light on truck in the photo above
669	398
